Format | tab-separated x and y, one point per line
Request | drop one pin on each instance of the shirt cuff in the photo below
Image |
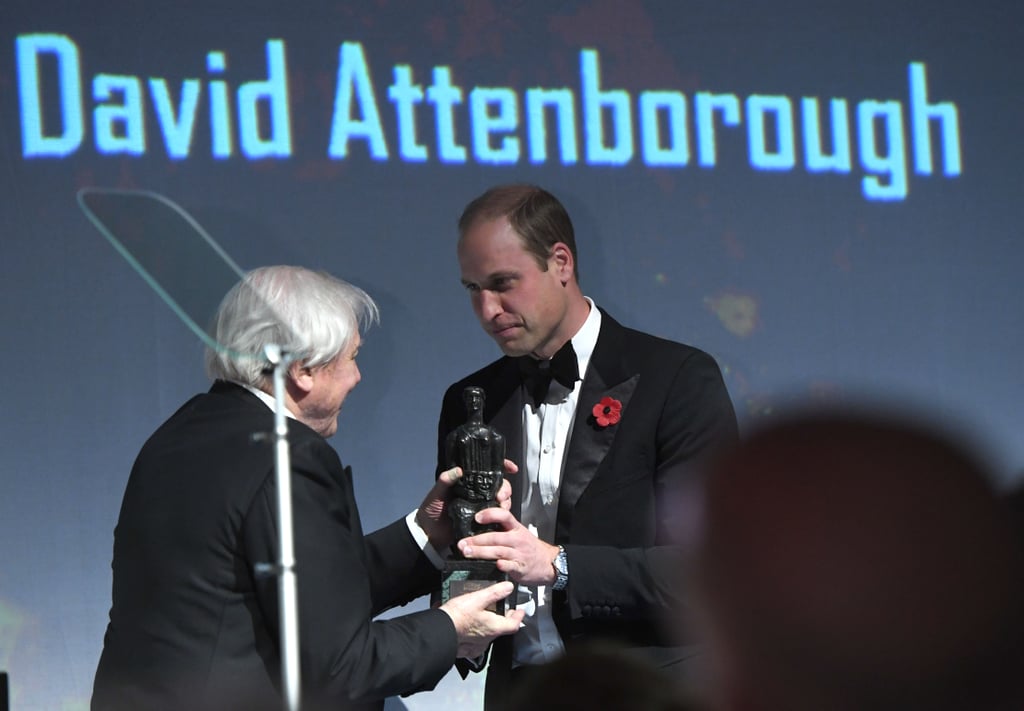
422	541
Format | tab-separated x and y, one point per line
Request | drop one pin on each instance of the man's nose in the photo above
490	305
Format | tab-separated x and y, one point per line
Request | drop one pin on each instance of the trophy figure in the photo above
480	451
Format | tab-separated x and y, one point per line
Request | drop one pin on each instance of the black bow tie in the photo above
538	374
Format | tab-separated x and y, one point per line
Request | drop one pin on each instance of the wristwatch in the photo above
561	566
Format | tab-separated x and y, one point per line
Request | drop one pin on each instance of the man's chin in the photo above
330	429
512	350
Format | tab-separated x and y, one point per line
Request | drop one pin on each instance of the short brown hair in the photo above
536	215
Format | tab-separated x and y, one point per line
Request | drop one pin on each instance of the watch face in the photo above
561	566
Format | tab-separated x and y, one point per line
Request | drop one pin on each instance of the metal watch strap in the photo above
561	566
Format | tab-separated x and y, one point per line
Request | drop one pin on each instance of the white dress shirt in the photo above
546	433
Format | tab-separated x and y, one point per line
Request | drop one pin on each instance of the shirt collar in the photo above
267	398
585	339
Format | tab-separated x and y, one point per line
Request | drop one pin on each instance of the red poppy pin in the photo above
607	412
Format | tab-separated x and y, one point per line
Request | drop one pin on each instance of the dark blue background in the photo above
915	302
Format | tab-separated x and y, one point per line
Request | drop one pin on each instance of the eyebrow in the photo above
490	278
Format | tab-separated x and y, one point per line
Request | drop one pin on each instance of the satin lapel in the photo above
607	376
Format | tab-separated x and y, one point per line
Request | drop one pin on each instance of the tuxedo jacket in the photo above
192	626
619	505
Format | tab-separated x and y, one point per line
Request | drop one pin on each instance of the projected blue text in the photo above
587	123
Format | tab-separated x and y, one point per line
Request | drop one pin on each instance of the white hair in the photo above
311	315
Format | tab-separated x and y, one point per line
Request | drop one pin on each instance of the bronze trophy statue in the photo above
480	451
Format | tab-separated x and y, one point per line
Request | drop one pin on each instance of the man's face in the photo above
518	304
332	382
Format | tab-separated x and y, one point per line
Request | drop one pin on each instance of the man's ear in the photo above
562	261
301	376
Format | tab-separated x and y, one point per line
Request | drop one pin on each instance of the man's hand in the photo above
475	625
432	515
504	497
518	552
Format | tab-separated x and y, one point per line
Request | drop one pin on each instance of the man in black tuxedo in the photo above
192	626
603	451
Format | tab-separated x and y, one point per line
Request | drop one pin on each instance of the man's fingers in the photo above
498	591
511	623
504	497
450	476
497	515
487	545
511	467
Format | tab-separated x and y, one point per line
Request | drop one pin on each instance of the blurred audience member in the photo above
597	675
1015	501
850	562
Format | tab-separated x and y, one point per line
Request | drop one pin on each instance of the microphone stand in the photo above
285	568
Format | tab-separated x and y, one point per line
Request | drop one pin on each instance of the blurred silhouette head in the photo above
857	562
598	675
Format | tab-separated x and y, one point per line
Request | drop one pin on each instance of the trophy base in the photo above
463	576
